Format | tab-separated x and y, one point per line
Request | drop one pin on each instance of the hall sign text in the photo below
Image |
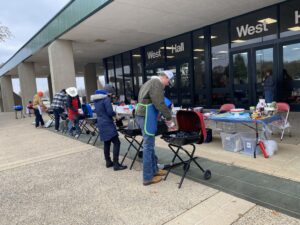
247	30
177	48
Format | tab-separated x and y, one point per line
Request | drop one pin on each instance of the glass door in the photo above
264	61
181	92
241	79
172	92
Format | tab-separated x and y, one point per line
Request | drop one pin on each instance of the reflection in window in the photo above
185	85
137	70
119	76
240	68
220	59
254	27
127	77
199	68
291	73
240	79
289	18
172	91
111	72
153	72
291	62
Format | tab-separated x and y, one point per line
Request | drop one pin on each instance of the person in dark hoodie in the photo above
107	128
269	86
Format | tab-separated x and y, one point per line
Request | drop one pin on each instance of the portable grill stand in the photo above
186	164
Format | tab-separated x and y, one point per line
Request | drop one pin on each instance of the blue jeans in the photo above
74	123
57	112
269	96
149	159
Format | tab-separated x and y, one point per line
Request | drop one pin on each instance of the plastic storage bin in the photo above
231	142
249	143
229	127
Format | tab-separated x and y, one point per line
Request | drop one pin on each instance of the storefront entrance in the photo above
248	71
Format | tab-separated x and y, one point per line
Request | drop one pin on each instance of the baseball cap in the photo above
170	75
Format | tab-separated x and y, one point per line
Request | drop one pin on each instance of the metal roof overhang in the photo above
123	25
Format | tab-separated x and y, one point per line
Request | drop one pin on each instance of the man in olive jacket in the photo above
152	92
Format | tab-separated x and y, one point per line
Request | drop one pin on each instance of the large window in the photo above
290	18
255	27
127	77
119	77
199	68
137	69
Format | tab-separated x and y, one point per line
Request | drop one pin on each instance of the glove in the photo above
171	125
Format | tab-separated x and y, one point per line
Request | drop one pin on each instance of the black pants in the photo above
57	112
115	140
38	118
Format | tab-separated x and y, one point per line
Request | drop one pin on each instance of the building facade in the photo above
221	63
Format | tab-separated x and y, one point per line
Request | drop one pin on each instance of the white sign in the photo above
246	30
297	17
153	54
177	48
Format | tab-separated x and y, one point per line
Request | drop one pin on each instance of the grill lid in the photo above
190	121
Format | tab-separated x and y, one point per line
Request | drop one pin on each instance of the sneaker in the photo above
77	136
57	130
154	180
161	172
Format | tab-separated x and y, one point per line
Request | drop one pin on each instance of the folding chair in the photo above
227	107
220	126
131	137
284	109
92	122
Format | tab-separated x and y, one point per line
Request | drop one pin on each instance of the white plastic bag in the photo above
271	146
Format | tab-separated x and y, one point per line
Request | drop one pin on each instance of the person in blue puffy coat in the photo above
107	128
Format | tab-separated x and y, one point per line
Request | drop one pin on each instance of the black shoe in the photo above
109	164
118	166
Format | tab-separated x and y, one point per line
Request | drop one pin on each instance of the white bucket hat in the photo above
72	91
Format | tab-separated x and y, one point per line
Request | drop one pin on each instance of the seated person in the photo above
87	110
29	108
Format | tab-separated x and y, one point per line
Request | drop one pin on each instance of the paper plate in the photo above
237	110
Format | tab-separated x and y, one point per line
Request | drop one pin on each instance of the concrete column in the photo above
7	93
50	88
90	80
61	62
27	82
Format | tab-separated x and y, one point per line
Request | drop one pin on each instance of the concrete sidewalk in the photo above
47	178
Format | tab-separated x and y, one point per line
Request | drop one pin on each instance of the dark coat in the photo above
269	84
105	113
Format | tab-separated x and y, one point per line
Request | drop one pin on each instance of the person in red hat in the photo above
38	106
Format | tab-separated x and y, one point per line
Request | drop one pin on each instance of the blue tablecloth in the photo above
242	118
